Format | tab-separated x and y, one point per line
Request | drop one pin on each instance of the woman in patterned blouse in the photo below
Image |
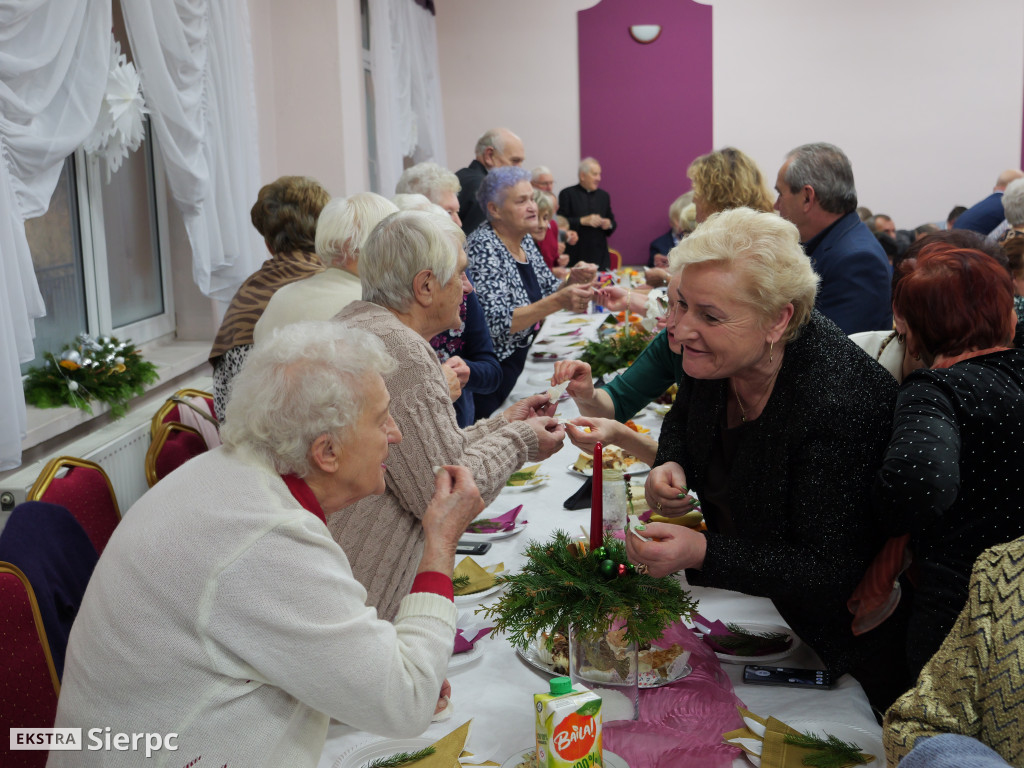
951	477
515	286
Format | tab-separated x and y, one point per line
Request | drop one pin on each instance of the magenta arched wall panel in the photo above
645	110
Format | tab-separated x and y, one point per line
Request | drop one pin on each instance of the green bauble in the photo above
607	567
601	553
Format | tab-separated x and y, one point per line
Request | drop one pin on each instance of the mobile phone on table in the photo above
472	547
788	676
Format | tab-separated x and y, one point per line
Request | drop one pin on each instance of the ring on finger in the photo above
659	506
642	569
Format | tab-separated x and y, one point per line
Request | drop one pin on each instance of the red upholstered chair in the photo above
171	409
84	489
172	446
28	680
614	259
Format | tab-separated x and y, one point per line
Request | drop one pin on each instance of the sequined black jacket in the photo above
800	483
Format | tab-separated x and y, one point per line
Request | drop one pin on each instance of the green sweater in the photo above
657	369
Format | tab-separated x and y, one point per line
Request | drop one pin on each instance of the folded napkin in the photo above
463	644
505	522
766	745
523	476
582	498
480	577
735	641
450	751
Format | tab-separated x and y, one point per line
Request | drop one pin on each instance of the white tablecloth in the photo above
496	689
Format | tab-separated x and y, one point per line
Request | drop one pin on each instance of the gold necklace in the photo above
739	402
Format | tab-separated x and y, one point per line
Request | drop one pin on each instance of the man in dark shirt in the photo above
816	194
986	215
589	211
497	147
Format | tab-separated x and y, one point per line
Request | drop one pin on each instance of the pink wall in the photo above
645	110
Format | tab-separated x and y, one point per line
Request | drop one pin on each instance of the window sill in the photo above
174	360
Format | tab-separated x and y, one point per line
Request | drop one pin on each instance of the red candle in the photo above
596	502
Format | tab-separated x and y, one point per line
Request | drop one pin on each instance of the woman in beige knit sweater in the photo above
413	275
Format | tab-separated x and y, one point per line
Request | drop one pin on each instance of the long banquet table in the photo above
496	687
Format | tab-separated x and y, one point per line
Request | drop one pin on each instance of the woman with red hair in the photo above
951	477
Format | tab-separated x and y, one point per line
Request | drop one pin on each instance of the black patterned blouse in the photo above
953	478
500	288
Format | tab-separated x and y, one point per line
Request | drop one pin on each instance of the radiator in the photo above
119	447
122	456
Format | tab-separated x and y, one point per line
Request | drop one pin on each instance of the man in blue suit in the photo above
816	193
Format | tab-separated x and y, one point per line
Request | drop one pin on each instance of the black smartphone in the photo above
472	547
788	676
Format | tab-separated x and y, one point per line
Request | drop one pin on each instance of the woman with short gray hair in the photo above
222	610
341	232
413	272
515	286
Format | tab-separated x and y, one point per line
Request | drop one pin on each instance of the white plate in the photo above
531	485
869	743
530	657
637	468
474	596
519	526
611	760
460	660
768	657
360	755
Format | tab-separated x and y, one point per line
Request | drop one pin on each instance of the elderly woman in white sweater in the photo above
223	612
413	273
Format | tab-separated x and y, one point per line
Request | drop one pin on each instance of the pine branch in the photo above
558	587
832	752
743	642
402	758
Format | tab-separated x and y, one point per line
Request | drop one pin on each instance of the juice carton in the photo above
568	726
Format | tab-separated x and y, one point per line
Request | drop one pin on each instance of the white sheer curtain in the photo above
407	83
54	57
195	61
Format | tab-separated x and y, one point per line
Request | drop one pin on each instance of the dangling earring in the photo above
771	352
901	337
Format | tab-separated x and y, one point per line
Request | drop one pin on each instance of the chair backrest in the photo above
84	489
171	409
614	259
28	681
172	446
55	554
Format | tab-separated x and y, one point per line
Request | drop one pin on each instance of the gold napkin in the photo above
767	737
480	577
449	749
523	476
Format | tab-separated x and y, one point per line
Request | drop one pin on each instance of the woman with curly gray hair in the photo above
413	273
515	286
225	613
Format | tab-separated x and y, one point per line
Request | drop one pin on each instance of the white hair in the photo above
414	201
308	379
540	170
766	249
344	225
494	137
428	179
1013	203
403	245
587	163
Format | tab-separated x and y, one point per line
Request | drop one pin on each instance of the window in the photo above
370	103
100	251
